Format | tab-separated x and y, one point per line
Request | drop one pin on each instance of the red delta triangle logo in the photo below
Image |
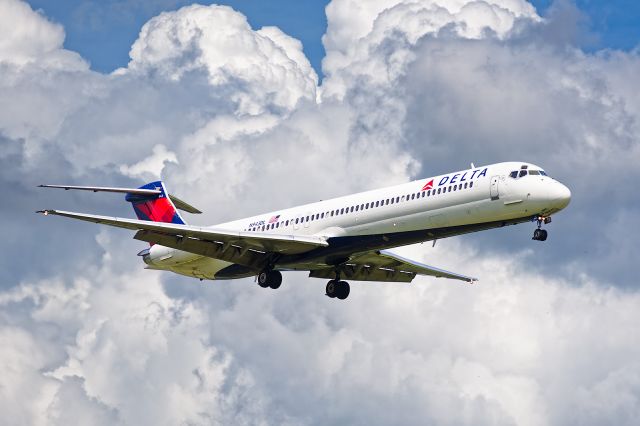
429	185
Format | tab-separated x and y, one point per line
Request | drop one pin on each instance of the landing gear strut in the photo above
541	234
269	278
337	288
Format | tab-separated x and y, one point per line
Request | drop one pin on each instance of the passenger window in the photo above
397	199
342	211
429	193
523	173
470	184
322	216
296	220
449	189
465	185
402	198
351	209
357	208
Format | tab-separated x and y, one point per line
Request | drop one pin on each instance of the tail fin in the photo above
154	207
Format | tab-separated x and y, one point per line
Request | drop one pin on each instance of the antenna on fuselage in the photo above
473	166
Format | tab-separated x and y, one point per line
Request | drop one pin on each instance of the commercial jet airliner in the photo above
342	238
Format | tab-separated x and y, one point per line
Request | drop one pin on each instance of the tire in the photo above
343	290
332	288
536	234
543	235
263	279
275	279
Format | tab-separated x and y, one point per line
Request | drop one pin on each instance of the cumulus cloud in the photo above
265	67
391	28
233	120
29	37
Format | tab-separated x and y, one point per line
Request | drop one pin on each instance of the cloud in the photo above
29	37
232	119
391	27
267	65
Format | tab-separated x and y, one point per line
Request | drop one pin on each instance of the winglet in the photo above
44	212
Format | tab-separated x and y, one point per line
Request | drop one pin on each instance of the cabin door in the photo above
495	194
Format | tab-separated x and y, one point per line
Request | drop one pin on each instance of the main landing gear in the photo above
269	278
337	288
541	234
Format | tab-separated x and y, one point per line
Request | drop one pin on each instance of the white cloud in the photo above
266	67
152	165
29	37
392	27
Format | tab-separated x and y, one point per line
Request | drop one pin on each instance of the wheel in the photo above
275	279
536	234
332	288
343	290
263	279
543	235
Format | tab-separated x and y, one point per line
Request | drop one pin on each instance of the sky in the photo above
261	106
103	31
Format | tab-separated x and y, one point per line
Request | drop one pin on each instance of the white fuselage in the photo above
479	195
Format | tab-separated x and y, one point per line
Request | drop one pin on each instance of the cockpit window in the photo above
523	173
514	174
543	173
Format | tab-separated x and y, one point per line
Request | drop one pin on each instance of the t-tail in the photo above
154	206
151	202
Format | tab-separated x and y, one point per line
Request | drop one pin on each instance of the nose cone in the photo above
560	195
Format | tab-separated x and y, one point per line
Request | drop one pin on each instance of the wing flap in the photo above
386	266
277	243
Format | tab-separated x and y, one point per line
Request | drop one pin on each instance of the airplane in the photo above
342	238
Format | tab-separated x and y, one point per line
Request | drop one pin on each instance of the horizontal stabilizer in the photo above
182	205
105	189
178	203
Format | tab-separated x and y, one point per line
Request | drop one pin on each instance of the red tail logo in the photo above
429	185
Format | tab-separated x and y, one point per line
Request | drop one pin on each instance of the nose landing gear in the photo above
541	234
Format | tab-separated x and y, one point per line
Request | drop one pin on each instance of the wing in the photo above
385	266
245	248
